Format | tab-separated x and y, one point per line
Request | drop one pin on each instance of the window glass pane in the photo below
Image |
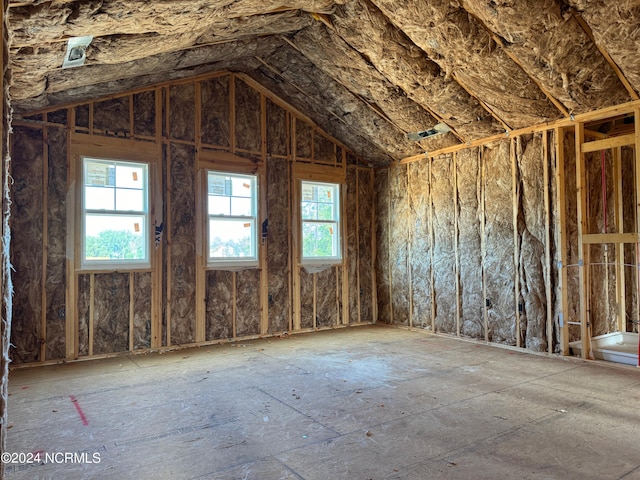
325	211
99	173
308	192
231	238
309	210
129	200
218	185
318	239
219	205
129	176
241	187
325	193
99	198
115	237
241	206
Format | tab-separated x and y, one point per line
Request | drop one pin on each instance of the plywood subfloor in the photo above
360	403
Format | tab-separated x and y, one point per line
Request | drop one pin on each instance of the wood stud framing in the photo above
162	143
161	334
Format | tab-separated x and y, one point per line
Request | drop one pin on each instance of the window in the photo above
320	212
232	210
115	217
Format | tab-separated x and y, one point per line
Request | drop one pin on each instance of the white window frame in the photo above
115	264
336	222
236	261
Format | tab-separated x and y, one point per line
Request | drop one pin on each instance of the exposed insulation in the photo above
56	243
306	299
615	28
367	30
553	276
553	50
353	259
102	80
59	116
400	236
112	116
469	191
219	309
111	313
419	184
84	304
444	263
572	312
338	60
142	310
248	302
531	233
248	129
630	259
82	116
304	135
323	149
26	256
119	16
182	244
326	301
164	334
182	111
306	87
366	233
144	113
277	131
498	258
458	43
383	280
118	48
602	272
278	243
5	257
215	111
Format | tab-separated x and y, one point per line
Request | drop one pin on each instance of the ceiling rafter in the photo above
585	26
291	82
489	110
347	67
373	36
375	109
496	38
438	118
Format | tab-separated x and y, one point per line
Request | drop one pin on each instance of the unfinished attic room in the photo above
320	240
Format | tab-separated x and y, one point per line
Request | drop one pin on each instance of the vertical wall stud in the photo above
547	239
562	242
156	274
92	297
167	229
131	309
582	226
409	245
432	242
263	246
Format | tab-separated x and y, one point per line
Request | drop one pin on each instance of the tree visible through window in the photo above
320	207
232	212
115	213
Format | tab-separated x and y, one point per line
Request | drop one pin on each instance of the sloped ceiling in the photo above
366	71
